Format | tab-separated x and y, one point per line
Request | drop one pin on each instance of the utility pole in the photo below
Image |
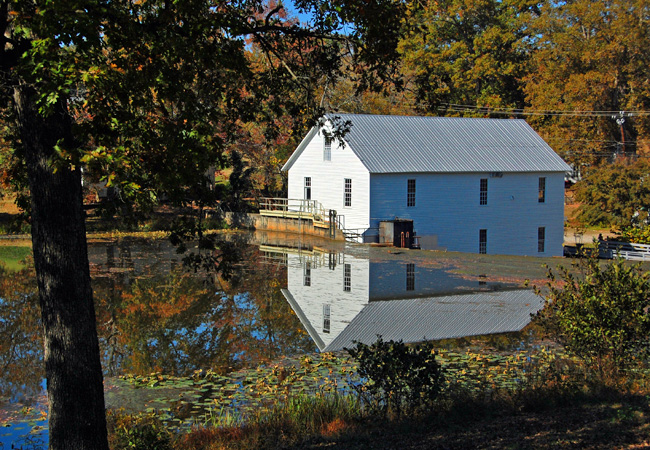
620	120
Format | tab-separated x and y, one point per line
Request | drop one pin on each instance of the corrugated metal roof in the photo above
405	144
435	318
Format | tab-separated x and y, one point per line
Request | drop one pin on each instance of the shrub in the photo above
602	316
397	377
137	432
636	235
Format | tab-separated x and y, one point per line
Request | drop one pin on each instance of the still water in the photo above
274	295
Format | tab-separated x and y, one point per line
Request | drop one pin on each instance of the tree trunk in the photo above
77	418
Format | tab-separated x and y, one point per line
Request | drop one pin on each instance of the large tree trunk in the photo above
77	417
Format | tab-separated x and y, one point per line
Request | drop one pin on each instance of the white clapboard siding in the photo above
448	213
326	287
327	179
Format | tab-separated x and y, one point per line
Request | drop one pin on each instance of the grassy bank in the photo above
13	256
544	418
535	399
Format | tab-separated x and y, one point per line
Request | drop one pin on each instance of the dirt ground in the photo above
573	236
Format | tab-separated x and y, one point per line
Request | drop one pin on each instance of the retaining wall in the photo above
285	225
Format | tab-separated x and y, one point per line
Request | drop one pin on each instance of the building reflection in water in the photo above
341	298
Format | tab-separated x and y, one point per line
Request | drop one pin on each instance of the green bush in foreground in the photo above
142	431
398	377
601	317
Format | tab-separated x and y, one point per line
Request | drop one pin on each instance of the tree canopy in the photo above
617	194
592	59
149	93
469	52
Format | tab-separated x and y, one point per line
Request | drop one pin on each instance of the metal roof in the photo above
405	144
435	318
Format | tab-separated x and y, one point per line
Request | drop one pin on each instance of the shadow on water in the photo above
276	296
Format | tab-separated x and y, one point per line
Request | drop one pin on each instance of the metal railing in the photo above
288	207
310	210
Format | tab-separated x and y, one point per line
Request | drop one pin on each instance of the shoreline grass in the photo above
595	417
558	404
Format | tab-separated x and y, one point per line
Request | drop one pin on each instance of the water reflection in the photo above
154	315
21	347
342	298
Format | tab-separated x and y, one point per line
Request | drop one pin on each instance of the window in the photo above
347	278
327	149
410	193
307	274
410	277
326	318
541	194
307	188
347	193
483	196
541	237
482	241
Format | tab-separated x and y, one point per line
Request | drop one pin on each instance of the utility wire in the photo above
453	107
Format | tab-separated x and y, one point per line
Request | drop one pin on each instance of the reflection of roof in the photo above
305	321
411	144
436	318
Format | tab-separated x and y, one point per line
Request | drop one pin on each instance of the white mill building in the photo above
471	185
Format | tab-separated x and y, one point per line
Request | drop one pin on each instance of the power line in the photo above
453	107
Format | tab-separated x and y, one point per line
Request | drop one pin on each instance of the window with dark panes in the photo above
541	238
410	277
541	193
307	274
347	193
307	188
347	278
484	191
410	193
482	241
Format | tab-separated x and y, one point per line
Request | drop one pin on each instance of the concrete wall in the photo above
296	226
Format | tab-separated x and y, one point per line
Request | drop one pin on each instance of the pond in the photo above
277	296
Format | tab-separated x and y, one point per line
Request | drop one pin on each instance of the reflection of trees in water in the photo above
174	322
181	321
21	347
261	314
